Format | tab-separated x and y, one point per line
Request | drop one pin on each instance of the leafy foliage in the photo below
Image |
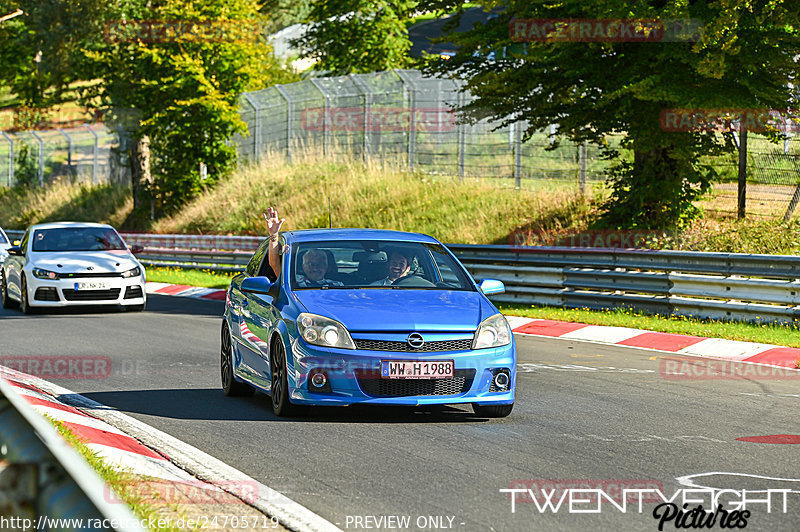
744	59
358	36
179	84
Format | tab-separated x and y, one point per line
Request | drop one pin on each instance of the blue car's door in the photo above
258	315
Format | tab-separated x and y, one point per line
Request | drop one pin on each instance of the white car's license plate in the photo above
97	285
416	369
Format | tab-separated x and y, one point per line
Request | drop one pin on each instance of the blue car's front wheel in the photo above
279	386
492	410
230	386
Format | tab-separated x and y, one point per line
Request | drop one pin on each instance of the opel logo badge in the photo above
415	340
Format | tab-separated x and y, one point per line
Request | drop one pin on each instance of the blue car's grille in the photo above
436	345
372	384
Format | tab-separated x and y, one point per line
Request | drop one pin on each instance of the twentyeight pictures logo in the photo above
681	508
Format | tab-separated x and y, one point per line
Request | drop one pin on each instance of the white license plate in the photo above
417	369
97	285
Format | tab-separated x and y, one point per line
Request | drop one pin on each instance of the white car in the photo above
4	245
70	263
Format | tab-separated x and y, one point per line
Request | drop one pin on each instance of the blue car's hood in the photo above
398	310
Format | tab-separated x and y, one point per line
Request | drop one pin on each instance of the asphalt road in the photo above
586	415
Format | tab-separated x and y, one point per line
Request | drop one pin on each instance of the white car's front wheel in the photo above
24	304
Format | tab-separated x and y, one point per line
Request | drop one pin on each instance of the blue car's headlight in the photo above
132	273
494	331
44	274
322	331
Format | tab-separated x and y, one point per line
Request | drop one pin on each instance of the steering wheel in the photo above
413	280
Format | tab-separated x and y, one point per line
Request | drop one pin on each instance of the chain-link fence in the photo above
88	154
403	116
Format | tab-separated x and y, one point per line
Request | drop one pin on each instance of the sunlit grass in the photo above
204	278
766	333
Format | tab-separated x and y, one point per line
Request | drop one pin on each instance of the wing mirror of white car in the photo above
256	285
15	250
136	249
492	287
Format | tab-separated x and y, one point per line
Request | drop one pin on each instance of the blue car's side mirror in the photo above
256	285
492	286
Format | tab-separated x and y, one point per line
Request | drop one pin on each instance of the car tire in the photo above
493	410
230	386
24	304
6	301
279	385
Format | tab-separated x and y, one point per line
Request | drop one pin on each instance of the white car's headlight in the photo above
44	274
132	273
322	331
494	331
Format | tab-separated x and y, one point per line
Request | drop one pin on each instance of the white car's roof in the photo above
62	225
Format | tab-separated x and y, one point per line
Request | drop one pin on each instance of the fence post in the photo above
792	204
69	151
326	134
412	127
461	134
256	129
289	117
10	158
41	157
582	167
742	196
367	110
517	155
94	163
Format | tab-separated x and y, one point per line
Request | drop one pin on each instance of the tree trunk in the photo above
141	179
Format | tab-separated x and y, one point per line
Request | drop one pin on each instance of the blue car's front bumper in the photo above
354	377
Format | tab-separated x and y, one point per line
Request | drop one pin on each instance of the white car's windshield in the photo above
375	264
77	239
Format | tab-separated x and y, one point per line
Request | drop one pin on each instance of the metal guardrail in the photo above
44	483
730	286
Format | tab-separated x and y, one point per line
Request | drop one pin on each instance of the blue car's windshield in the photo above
375	264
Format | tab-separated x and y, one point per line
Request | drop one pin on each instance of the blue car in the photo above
363	316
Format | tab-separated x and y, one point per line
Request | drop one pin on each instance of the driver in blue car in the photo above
315	261
399	267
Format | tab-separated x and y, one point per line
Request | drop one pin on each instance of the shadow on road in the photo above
211	404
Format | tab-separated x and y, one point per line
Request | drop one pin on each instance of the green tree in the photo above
174	83
41	52
358	36
744	59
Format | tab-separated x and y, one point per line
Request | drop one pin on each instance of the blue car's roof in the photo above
313	235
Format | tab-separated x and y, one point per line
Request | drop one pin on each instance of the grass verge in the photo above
782	335
205	278
127	486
